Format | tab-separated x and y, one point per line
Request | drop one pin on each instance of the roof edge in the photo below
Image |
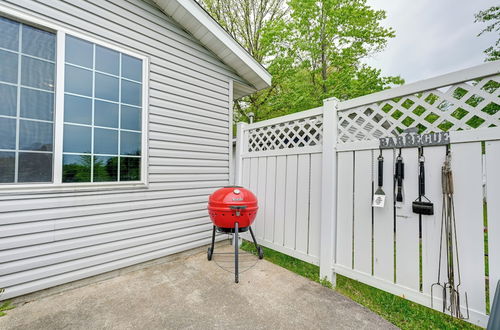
245	65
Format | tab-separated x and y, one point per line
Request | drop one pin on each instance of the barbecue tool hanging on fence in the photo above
419	206
379	196
450	288
399	177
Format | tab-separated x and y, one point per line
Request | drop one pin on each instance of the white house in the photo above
115	126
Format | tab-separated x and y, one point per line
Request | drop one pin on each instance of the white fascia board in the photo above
245	65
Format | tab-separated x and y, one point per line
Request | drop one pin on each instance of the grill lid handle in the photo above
237	207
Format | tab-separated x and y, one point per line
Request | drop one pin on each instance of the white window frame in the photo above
57	185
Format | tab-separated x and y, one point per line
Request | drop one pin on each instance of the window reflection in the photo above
27	104
102	114
77	109
34	135
105	168
7	166
35	167
130	169
37	104
77	168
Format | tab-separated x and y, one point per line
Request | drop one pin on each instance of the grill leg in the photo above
210	251
236	279
260	252
253	238
213	239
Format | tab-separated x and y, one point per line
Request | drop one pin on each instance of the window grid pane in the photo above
27	73
113	120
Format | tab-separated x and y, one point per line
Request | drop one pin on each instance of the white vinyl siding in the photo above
54	237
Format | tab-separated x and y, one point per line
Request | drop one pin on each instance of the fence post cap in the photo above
331	101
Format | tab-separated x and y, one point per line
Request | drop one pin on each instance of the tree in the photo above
313	49
248	22
325	41
490	15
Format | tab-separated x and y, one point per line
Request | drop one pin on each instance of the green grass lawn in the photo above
399	311
5	307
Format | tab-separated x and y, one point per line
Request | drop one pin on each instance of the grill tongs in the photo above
451	296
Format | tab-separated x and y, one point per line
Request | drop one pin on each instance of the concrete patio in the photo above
191	293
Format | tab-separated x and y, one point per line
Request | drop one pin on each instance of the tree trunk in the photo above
324	64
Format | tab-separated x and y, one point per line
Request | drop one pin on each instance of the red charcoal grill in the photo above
233	209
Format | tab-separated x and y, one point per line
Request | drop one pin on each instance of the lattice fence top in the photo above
303	132
469	105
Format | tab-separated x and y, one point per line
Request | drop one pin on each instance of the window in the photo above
102	114
27	72
93	134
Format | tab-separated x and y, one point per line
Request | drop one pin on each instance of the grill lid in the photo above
232	204
232	195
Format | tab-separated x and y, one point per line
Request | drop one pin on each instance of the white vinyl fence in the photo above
315	172
282	164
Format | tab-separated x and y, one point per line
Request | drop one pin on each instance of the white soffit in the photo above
192	17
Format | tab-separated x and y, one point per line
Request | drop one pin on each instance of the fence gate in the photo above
315	173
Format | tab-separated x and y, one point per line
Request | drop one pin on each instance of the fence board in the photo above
407	226
291	201
493	196
383	223
363	167
467	176
254	176
431	224
279	213
315	206
345	191
303	180
245	176
261	195
270	196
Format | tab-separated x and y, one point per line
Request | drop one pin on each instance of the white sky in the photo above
433	37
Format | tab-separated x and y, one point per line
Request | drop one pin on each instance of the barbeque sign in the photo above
412	139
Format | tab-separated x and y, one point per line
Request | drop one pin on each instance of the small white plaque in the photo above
378	200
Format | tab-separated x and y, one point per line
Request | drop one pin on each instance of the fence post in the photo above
329	191
240	147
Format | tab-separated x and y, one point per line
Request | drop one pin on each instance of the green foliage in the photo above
324	282
105	168
491	86
445	125
459	113
78	171
408	121
475	121
419	110
492	16
432	117
318	51
397	310
313	48
459	92
246	21
492	108
5	306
